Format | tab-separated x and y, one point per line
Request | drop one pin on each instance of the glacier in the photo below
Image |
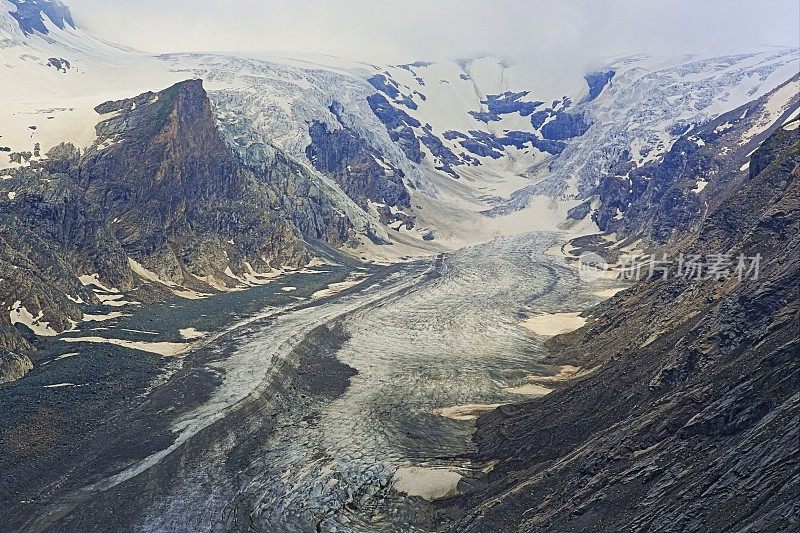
266	102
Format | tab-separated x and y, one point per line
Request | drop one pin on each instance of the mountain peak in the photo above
31	15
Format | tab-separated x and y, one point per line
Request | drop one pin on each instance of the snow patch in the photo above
114	300
699	186
19	314
529	389
148	275
333	288
467	412
89	280
188	294
551	324
191	334
161	348
777	104
427	483
102	318
723	127
793	116
177	290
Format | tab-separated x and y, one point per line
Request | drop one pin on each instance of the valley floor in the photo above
341	408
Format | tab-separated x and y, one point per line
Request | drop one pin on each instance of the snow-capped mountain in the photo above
489	137
303	293
480	137
34	16
52	76
663	201
477	140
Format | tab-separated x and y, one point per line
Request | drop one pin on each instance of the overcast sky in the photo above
405	30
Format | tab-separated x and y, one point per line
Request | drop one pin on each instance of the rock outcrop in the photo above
358	169
30	15
662	201
158	187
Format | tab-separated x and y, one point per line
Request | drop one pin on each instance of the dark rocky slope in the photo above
688	416
306	203
356	167
159	187
662	201
174	194
362	172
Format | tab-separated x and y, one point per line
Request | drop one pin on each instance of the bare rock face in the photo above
31	14
688	416
13	366
161	170
158	186
307	206
358	169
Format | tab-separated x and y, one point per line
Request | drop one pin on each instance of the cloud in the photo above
396	31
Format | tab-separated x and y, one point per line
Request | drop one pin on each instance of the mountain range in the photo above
130	179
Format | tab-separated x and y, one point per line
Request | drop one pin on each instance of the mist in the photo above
390	31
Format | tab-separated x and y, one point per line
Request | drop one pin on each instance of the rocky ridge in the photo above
662	201
31	15
158	200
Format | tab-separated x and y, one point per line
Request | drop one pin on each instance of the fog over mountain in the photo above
396	31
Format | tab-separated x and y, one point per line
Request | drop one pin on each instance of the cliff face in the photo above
362	173
357	168
175	196
158	187
687	417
